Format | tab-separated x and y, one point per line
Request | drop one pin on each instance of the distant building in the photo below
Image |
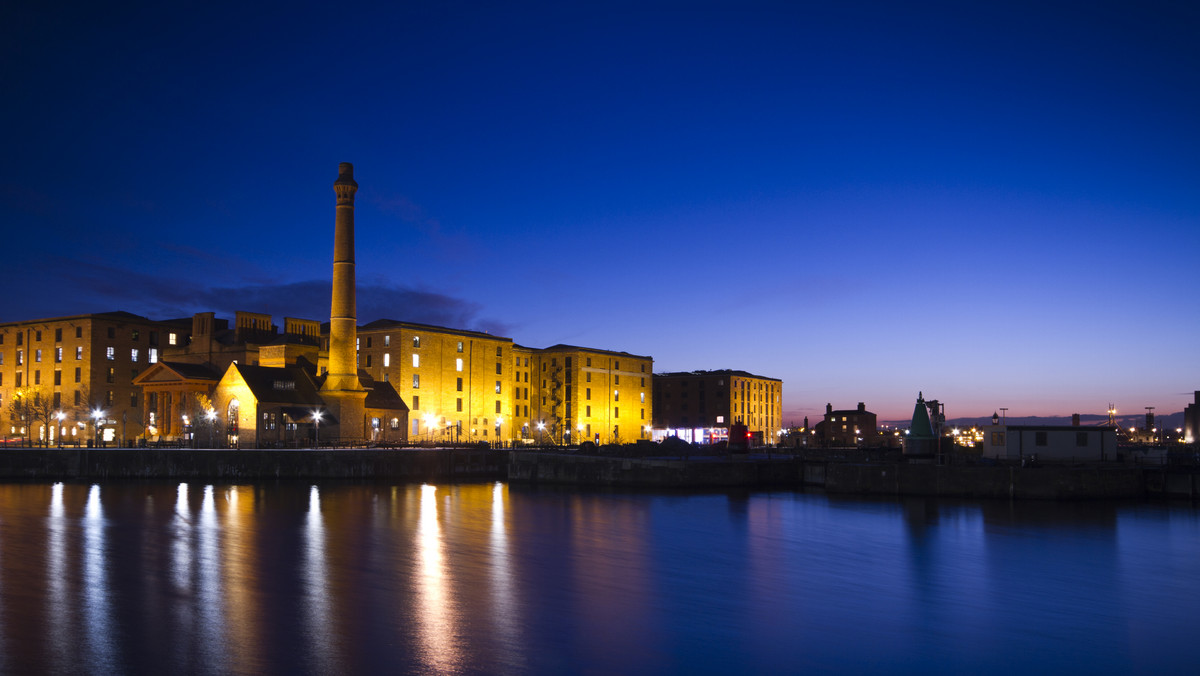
1191	420
700	406
1049	442
847	427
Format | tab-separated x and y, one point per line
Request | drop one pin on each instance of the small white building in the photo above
1049	442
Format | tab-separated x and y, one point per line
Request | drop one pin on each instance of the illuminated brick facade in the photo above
471	386
706	403
456	383
78	365
580	394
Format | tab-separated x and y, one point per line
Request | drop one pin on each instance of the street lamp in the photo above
499	420
430	424
97	414
59	432
541	427
212	422
316	416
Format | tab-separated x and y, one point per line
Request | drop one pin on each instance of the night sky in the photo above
997	204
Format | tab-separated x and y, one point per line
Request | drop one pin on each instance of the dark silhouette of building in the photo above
848	427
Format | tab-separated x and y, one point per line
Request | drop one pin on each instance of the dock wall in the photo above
881	478
174	463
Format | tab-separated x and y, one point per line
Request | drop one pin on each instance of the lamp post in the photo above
541	427
211	415
430	425
58	432
97	414
499	440
316	416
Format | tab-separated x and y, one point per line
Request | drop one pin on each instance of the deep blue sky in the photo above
995	203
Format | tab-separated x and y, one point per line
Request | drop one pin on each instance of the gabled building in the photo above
175	395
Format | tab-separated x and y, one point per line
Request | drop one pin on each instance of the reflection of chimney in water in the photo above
343	331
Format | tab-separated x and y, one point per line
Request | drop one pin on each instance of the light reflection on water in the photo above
488	578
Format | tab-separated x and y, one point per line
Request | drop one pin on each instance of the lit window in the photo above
416	380
37	355
110	353
416	360
458	363
643	396
416	341
387	358
497	387
133	355
171	338
78	353
460	346
387	342
58	355
616	396
152	357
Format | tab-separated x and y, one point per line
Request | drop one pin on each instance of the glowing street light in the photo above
211	414
97	414
430	424
541	427
316	416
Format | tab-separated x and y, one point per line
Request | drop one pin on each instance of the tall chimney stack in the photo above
343	328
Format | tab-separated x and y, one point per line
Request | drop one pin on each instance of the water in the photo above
488	578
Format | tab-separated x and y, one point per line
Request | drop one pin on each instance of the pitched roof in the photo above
284	385
384	396
172	371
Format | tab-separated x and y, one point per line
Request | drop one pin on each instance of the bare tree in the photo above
29	407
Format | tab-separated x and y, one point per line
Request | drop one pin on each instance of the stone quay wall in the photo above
236	464
1083	482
